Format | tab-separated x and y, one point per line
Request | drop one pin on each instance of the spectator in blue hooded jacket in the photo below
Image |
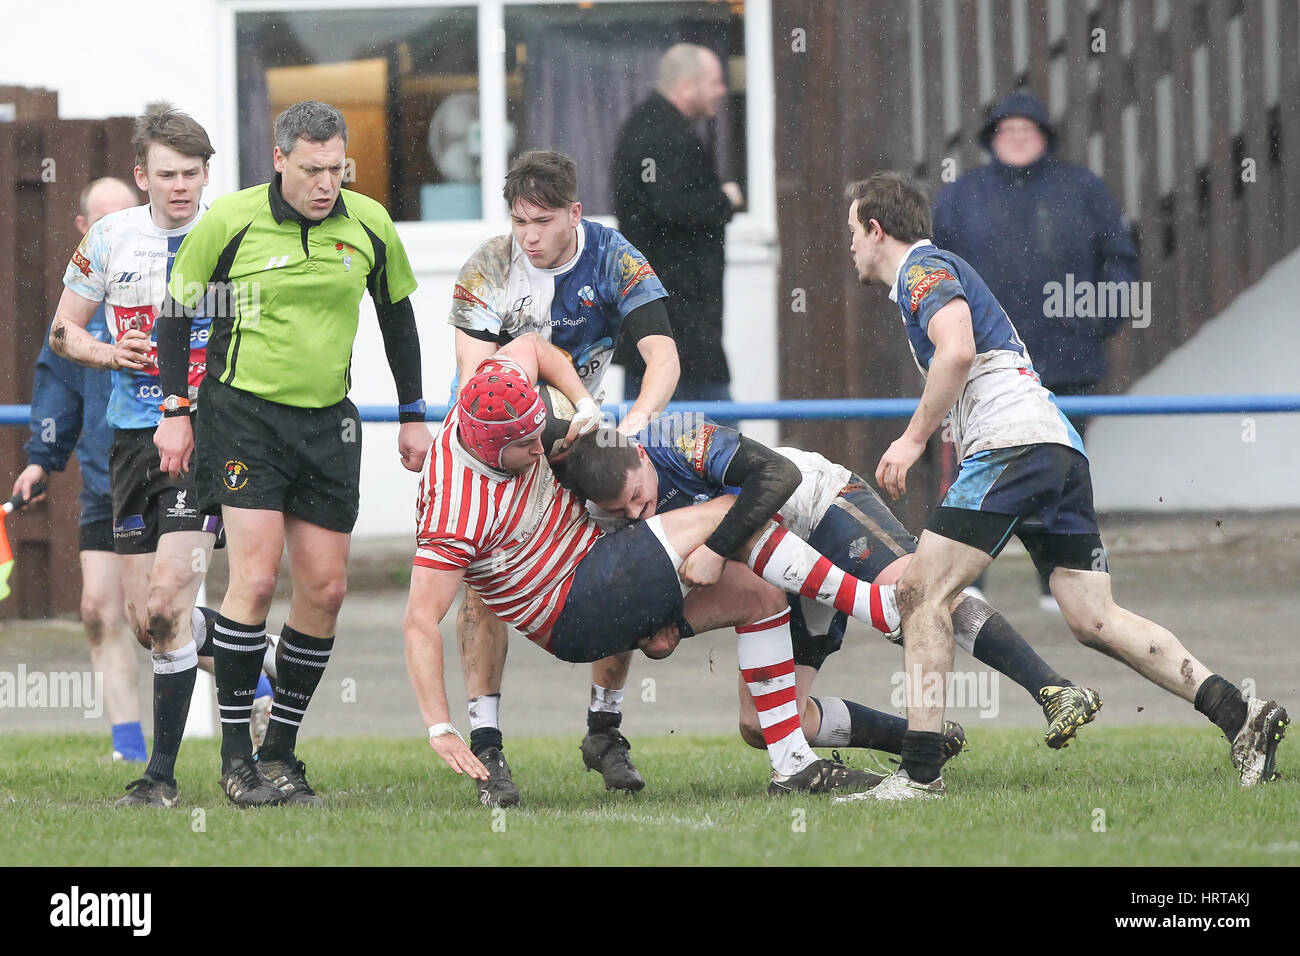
1037	228
1028	219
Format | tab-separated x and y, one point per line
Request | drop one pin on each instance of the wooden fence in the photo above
44	164
1188	110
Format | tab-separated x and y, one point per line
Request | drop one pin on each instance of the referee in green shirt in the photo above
281	268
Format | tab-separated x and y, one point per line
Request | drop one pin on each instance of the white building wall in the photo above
1212	462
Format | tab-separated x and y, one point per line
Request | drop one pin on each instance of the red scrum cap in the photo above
497	408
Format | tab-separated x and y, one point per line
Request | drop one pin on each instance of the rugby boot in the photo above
1254	749
954	740
244	786
823	776
1067	709
899	786
147	792
607	753
290	778
499	789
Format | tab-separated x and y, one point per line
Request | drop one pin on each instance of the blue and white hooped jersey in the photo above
124	261
1003	405
579	306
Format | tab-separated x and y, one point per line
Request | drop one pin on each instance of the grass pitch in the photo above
1116	797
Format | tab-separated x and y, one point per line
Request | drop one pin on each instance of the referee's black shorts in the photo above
252	453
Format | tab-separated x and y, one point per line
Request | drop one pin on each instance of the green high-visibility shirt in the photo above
294	284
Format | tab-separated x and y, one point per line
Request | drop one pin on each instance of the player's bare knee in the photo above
99	620
256	586
162	620
752	735
1091	629
327	596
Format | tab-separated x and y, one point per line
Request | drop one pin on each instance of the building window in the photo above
408	79
575	72
407	82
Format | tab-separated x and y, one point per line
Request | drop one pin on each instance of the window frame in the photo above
757	223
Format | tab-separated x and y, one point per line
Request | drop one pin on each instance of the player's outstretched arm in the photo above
954	353
432	592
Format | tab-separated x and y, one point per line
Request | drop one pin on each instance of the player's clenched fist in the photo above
174	440
413	441
132	351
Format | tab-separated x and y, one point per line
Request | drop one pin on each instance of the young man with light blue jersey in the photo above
161	537
1024	472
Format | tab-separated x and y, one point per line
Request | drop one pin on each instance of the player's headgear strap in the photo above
498	407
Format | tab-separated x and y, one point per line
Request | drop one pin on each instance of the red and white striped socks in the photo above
790	563
766	659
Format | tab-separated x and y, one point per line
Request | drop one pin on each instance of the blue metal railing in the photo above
823	409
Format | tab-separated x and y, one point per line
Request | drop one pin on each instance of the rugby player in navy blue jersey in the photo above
1023	472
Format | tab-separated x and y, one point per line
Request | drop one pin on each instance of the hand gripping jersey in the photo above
124	261
579	307
518	538
691	454
1003	404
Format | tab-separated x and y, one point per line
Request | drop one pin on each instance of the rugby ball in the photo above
559	415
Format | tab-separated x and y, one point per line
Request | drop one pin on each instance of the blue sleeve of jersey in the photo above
626	279
56	415
929	284
691	447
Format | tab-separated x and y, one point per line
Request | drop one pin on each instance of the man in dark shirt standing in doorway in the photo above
671	205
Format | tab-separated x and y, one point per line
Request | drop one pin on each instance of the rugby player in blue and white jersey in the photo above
1023	472
164	542
583	287
681	459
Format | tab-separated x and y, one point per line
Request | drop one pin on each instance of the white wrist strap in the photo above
437	730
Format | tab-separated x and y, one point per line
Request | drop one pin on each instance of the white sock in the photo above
483	711
268	659
604	700
766	660
198	626
790	563
836	729
173	662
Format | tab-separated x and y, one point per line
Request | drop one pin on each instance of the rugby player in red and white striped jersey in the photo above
492	514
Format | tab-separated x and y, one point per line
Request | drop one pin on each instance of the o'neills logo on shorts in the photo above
236	475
